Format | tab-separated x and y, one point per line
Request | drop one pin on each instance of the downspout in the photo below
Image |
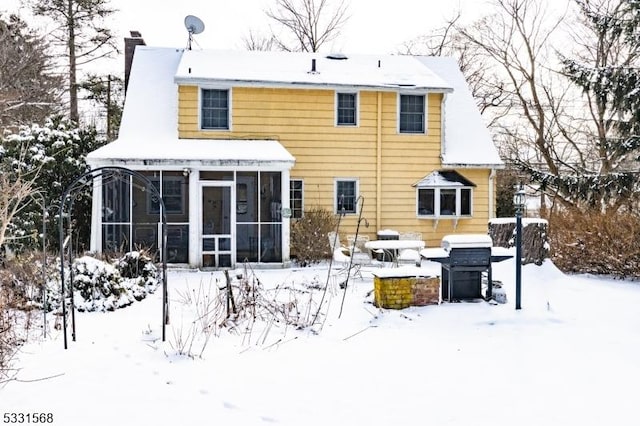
379	163
492	201
443	128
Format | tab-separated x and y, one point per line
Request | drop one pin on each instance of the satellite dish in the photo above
194	25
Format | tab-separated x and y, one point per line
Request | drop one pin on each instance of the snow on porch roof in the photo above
205	152
444	178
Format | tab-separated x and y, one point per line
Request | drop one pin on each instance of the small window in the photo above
346	109
465	202
426	202
215	109
295	198
448	202
412	114
346	196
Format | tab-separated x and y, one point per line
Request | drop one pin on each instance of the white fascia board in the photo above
305	85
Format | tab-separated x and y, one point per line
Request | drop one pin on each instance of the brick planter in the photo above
400	288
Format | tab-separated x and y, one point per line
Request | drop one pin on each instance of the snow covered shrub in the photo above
98	286
139	272
309	241
101	285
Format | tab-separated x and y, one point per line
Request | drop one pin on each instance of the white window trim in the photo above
290	199
426	113
436	202
335	194
229	111
335	109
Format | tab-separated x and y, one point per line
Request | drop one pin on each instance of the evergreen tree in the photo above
82	32
107	92
29	90
56	155
608	74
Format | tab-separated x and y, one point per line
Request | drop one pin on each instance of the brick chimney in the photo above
130	44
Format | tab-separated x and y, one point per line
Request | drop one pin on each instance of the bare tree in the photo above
487	87
17	189
82	32
257	41
517	40
308	24
29	88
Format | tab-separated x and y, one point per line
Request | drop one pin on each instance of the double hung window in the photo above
346	195
346	109
412	113
214	109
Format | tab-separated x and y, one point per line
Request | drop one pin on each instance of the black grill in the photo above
476	256
467	258
462	272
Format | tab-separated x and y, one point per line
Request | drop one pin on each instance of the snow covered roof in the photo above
295	69
444	178
196	152
467	141
149	129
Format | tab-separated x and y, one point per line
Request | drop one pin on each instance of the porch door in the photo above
217	225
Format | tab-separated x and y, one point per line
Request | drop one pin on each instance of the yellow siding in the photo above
303	121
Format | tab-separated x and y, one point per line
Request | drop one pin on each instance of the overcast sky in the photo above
373	27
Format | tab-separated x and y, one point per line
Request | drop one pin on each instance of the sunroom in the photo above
226	201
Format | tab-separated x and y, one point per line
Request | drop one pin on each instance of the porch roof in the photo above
194	152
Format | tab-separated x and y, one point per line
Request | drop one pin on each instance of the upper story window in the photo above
346	195
346	109
412	114
296	198
444	193
214	109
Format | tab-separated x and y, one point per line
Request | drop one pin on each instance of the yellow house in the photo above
241	143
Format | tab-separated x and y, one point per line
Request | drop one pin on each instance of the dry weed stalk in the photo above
242	306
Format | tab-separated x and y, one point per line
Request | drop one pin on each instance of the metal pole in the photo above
518	255
44	266
62	250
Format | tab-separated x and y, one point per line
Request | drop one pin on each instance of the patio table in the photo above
393	247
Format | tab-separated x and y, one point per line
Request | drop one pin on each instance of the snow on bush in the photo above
103	286
98	286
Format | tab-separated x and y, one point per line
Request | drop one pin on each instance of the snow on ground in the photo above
570	356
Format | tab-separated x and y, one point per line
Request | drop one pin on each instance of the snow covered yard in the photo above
570	356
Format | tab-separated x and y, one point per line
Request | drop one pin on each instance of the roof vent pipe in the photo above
313	65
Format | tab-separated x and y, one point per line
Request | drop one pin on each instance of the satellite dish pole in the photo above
194	25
